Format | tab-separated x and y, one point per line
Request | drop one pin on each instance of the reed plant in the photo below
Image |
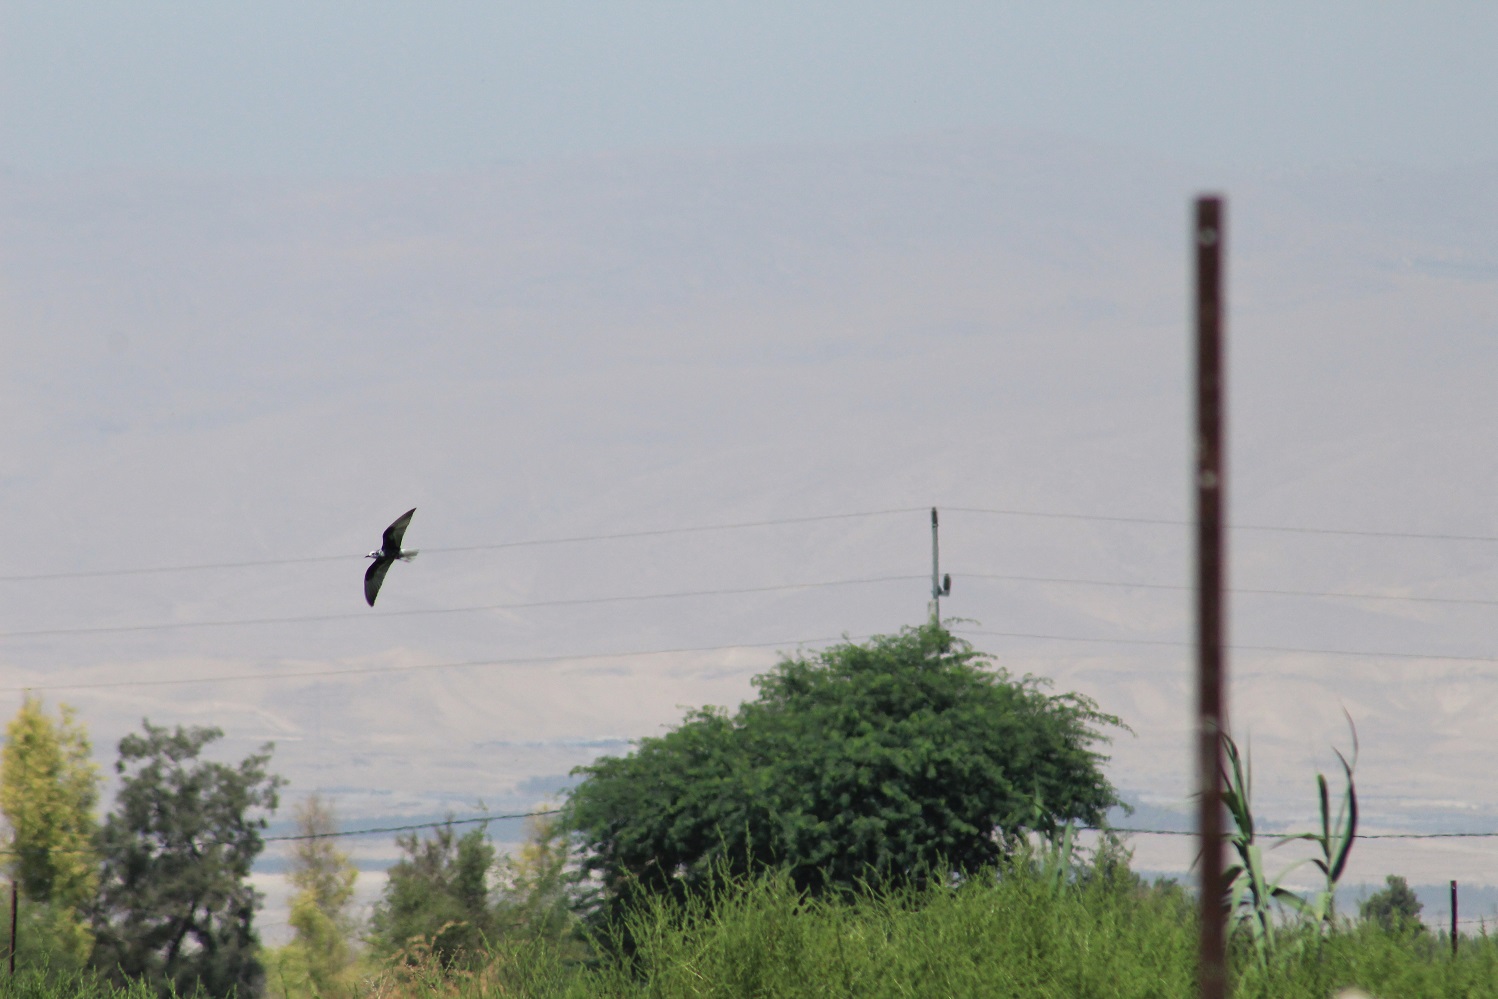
1258	903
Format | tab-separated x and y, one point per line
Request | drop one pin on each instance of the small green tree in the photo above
175	905
1395	909
49	787
534	894
316	961
437	898
860	764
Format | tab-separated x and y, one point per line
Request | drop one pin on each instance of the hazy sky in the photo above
380	88
271	274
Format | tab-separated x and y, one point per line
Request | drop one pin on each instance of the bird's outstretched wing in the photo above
395	532
375	575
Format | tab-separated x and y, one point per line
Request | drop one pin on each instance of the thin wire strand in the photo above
1253	591
477	819
1192	832
375	670
618	536
1274	528
728	591
424	612
412	827
660	532
537	660
1288	649
686	530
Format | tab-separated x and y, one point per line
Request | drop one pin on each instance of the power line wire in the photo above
412	827
728	591
1253	591
1274	528
152	570
1112	829
366	615
1192	832
536	542
335	835
537	660
686	530
660	532
1367	654
475	820
366	670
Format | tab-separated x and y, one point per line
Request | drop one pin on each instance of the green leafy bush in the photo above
1395	909
861	764
436	901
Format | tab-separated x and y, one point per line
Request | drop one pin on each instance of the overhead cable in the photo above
727	591
412	827
1248	590
696	529
1284	649
418	667
580	657
1193	832
115	629
1273	528
536	542
484	819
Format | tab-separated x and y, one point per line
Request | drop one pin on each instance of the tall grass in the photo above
992	936
1013	933
46	983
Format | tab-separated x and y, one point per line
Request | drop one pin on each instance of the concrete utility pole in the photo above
1211	489
940	585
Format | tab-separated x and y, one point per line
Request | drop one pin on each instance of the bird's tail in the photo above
407	556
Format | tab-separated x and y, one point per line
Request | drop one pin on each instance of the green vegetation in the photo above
320	959
49	787
452	900
437	899
1004	933
856	766
1395	909
889	819
536	888
175	907
1253	896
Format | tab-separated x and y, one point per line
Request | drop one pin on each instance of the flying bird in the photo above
390	549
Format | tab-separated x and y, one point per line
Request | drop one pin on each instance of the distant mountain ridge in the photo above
211	370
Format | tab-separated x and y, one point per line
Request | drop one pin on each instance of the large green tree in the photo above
860	764
175	905
49	787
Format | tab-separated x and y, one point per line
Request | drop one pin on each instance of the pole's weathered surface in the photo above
14	910
1207	238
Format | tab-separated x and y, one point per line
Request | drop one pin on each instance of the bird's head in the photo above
373	554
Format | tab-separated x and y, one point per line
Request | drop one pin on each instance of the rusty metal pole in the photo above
1453	919
13	911
1207	237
